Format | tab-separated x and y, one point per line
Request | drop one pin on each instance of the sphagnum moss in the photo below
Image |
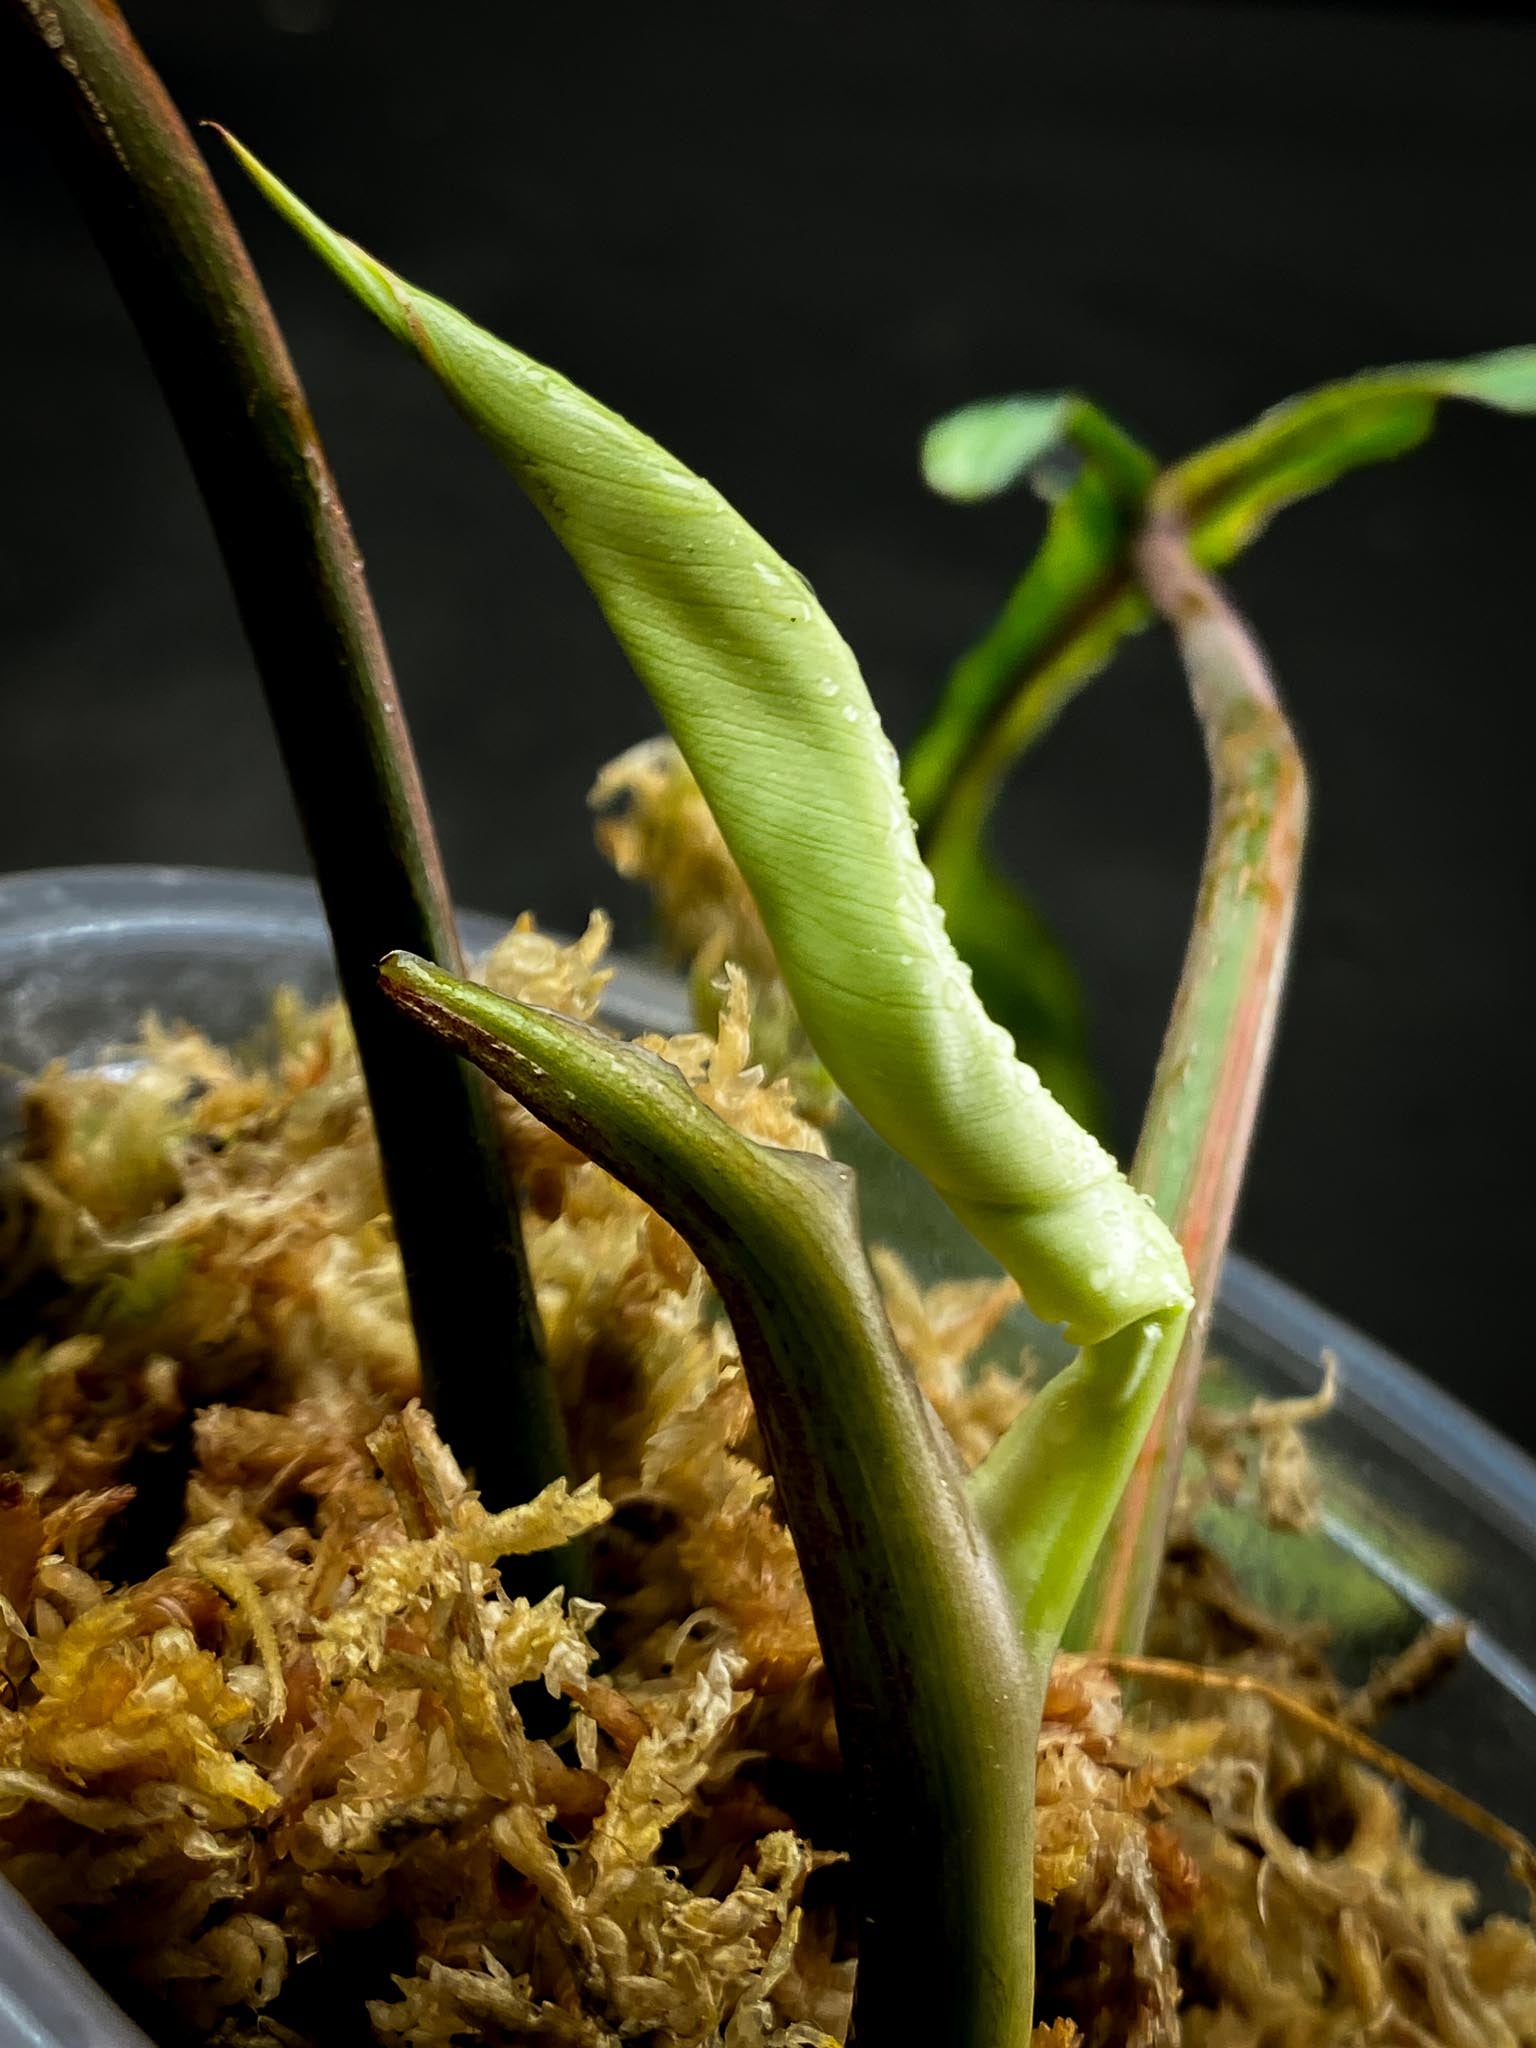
303	1730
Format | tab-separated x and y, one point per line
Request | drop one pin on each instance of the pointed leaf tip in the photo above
356	269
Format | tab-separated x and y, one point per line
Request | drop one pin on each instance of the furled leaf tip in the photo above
370	281
986	448
1506	379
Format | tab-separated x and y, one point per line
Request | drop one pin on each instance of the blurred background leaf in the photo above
1078	599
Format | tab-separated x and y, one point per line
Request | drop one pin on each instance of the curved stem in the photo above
1047	1489
1205	1095
298	580
938	1698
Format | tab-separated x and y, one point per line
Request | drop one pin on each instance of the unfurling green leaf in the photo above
899	1579
987	448
1077	599
767	704
1022	973
1227	493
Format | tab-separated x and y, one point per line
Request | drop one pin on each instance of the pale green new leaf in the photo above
768	706
1022	972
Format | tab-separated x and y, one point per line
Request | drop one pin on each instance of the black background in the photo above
783	237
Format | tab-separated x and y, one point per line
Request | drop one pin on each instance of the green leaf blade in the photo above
1229	492
1504	379
1058	626
1023	975
1006	691
766	702
984	449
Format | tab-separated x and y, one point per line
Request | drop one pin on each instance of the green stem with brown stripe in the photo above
1199	1121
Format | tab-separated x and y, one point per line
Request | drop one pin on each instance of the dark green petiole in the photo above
938	1705
297	576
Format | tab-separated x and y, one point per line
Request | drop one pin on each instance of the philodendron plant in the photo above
940	1600
911	1576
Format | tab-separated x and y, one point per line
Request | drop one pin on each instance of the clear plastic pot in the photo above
1427	1512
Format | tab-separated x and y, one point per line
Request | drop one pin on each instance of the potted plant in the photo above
345	1736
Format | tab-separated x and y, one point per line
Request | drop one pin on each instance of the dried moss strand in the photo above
1174	1671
